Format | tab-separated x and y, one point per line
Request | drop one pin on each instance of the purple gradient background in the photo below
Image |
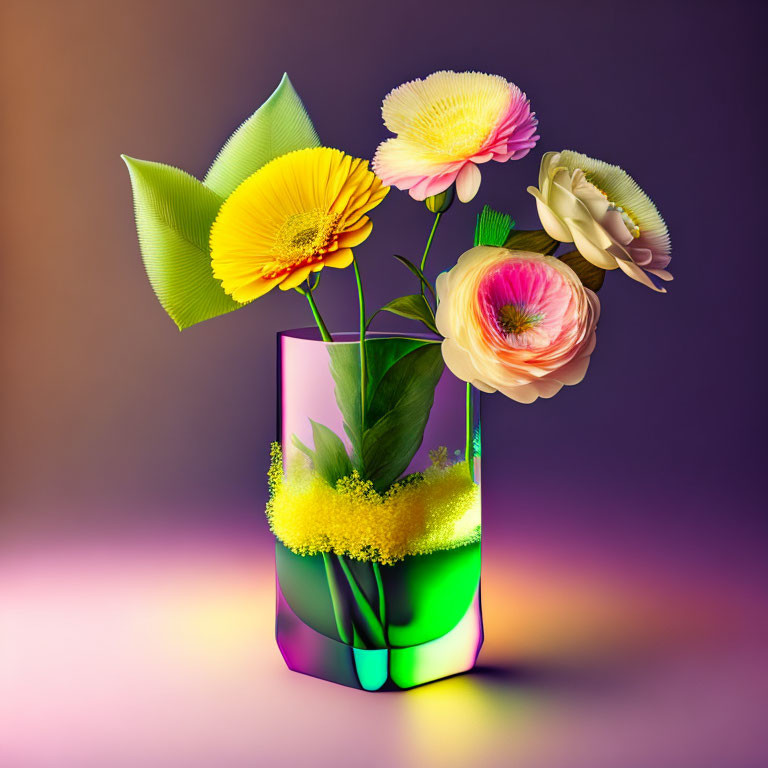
117	428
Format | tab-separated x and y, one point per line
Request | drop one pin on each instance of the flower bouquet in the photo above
374	476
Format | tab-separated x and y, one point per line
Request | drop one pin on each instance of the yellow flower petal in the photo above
342	258
295	278
254	289
472	103
356	236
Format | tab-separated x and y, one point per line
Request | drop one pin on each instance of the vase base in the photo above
312	653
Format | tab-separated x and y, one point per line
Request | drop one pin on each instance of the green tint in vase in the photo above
382	623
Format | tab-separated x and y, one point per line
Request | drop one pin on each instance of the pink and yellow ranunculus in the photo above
602	210
301	212
447	125
517	322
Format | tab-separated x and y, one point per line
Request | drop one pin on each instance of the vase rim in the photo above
311	333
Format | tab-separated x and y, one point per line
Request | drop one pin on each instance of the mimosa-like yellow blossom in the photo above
299	213
439	509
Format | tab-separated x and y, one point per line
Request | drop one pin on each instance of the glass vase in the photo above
376	510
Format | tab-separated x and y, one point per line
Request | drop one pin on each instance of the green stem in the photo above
336	599
469	447
374	628
429	245
316	314
382	597
363	369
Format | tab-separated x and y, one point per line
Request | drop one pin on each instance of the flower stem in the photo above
469	446
363	369
316	314
336	600
374	631
438	216
382	596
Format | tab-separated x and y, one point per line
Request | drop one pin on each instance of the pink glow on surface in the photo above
163	654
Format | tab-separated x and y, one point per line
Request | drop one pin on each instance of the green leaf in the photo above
536	240
278	126
401	378
398	413
174	214
416	271
306	450
372	635
413	307
329	456
331	460
381	355
493	227
591	276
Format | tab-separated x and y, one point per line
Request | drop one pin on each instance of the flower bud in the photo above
441	202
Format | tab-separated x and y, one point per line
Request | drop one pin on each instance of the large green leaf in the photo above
398	415
174	214
401	381
536	240
278	126
381	355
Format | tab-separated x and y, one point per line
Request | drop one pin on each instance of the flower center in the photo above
304	235
515	320
468	130
626	216
466	136
629	222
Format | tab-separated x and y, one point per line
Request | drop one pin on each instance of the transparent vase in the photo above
376	511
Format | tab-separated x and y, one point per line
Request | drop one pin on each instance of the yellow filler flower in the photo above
299	213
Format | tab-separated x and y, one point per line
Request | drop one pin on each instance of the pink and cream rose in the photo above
516	322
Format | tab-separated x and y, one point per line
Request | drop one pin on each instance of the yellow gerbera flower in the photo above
299	213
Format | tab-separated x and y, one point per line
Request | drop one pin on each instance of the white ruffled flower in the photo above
602	210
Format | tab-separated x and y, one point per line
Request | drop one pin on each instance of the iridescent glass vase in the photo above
370	620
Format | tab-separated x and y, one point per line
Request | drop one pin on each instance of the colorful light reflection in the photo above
164	655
